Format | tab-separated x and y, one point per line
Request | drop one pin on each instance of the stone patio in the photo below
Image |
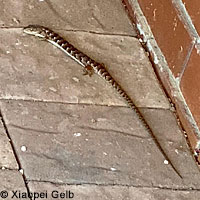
62	131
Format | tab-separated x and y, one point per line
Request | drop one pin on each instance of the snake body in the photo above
85	61
89	64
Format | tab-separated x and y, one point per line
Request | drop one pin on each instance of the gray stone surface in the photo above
93	144
42	72
6	153
79	131
87	15
165	128
90	192
11	180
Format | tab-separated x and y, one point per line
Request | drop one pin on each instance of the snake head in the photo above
36	30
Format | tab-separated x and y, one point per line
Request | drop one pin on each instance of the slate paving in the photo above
88	145
73	132
42	72
114	192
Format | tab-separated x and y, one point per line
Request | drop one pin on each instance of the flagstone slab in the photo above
76	144
82	15
31	69
116	192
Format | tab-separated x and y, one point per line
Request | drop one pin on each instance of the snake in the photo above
90	66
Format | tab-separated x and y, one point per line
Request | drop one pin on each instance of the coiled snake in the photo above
90	66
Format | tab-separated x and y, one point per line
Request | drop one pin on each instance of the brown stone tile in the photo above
113	192
89	142
171	138
169	32
99	16
190	85
34	69
193	9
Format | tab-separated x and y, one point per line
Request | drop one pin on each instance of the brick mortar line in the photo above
185	63
86	128
116	185
185	18
13	149
157	58
118	132
190	28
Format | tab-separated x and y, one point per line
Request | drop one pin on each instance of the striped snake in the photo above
90	65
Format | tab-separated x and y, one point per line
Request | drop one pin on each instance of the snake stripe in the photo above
85	61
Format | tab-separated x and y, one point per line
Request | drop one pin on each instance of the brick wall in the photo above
170	30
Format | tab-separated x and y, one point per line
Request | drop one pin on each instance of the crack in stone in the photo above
51	7
104	168
77	31
115	131
42	155
35	130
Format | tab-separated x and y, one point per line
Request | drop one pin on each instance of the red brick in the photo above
193	8
169	32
